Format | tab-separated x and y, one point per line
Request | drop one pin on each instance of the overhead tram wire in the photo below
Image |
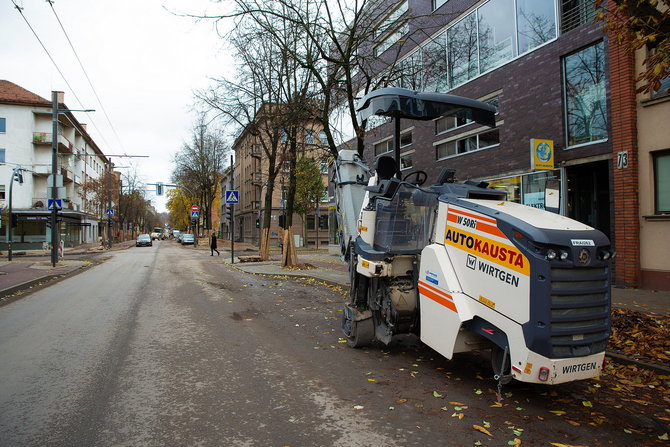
74	93
90	83
20	9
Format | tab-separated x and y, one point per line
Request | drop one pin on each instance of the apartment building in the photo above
26	142
562	97
250	179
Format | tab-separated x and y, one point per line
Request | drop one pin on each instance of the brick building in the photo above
559	84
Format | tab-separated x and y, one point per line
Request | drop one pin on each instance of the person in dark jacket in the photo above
212	245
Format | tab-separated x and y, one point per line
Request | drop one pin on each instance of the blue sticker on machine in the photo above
431	277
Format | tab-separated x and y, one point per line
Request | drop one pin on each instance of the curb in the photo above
619	358
29	283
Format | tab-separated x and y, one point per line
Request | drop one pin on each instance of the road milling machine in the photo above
462	267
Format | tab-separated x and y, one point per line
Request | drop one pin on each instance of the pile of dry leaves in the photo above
638	335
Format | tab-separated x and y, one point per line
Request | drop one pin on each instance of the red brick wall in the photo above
626	234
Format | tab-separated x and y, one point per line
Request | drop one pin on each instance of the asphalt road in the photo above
167	346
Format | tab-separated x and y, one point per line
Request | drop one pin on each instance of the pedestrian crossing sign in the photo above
232	196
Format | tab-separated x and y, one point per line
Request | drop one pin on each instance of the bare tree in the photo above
200	163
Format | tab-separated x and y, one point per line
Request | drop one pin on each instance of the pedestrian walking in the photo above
212	245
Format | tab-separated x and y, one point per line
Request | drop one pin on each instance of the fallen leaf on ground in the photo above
482	429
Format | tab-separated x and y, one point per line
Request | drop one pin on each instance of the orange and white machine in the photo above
465	269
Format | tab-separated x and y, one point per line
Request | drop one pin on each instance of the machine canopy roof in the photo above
404	103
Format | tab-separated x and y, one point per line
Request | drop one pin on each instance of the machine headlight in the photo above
563	255
551	254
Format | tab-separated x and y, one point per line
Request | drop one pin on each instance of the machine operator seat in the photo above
386	167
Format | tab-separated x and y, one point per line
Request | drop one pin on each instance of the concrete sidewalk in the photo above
34	267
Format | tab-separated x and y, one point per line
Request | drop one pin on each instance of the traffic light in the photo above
230	213
15	220
258	223
18	176
281	221
159	189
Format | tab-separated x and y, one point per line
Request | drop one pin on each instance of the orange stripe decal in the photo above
474	216
484	224
426	291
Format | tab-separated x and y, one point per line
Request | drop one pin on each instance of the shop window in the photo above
510	186
2	192
2	155
3	125
323	139
586	112
662	182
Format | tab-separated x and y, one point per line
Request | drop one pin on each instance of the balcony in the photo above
257	178
256	151
41	170
44	138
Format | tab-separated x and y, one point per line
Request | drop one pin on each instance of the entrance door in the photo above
589	195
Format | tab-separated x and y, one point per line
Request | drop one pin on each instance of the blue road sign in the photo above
195	214
232	196
50	204
109	211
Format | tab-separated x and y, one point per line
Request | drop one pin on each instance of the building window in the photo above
406	162
496	34
662	182
2	192
405	139
435	64
309	136
462	54
586	112
322	137
448	123
389	23
664	89
383	147
575	13
536	23
3	125
323	167
2	155
438	3
471	143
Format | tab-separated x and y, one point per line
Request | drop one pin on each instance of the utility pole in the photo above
109	203
55	243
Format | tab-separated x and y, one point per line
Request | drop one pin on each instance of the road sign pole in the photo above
232	213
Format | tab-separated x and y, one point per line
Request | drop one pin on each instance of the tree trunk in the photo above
265	245
289	256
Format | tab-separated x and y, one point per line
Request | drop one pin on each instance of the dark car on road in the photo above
143	240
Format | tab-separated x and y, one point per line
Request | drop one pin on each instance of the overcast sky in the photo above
143	62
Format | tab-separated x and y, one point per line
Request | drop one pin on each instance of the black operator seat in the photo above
386	167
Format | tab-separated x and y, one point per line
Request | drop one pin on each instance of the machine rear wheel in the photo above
359	333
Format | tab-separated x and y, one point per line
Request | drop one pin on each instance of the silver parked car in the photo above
187	239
